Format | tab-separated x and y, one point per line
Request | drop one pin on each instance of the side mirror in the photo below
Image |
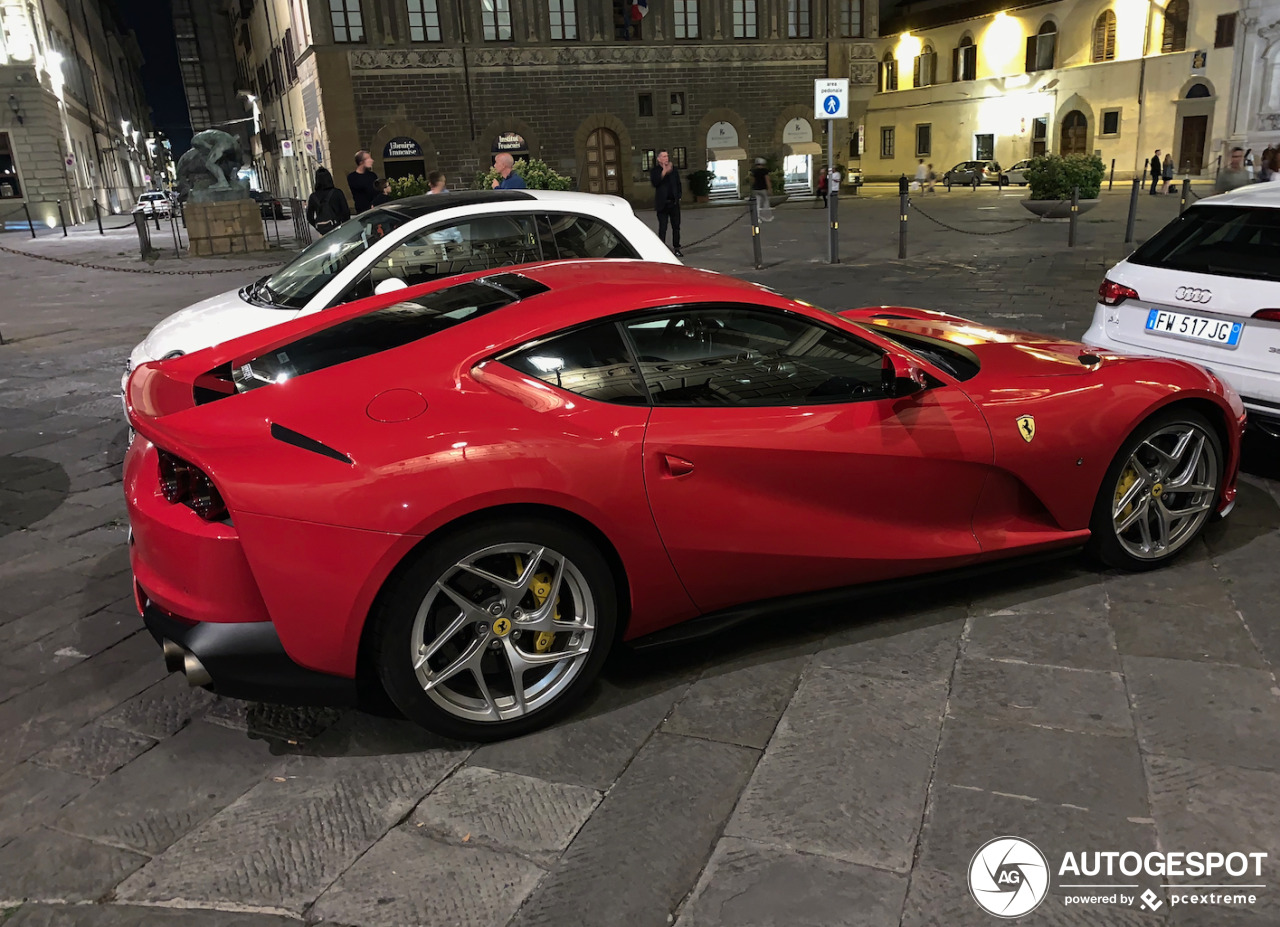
390	285
901	378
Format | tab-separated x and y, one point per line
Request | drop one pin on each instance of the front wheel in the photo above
497	630
1159	491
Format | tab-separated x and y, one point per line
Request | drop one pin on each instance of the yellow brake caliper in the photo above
541	588
1127	479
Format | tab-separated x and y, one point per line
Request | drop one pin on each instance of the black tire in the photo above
1104	544
391	645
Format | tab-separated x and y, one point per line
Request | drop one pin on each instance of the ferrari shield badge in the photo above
1027	427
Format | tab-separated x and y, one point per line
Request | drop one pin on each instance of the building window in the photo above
851	19
496	15
1104	37
886	141
799	22
290	56
1041	48
677	103
1110	122
686	18
1176	15
924	140
888	73
964	60
1039	135
10	189
1225	35
744	19
644	104
424	21
984	147
564	20
348	24
648	158
926	67
679	157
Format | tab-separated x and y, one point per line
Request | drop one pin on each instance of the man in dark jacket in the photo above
666	198
326	207
363	181
1155	168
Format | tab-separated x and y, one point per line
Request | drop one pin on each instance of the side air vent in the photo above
289	436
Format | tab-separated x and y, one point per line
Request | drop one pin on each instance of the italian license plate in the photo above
1195	327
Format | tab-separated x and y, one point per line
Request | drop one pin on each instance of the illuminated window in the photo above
348	23
888	72
1041	48
964	60
744	19
496	16
564	19
1104	37
424	21
926	67
886	141
685	13
799	21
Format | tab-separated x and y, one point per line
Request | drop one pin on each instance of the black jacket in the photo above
666	190
364	187
332	198
1156	167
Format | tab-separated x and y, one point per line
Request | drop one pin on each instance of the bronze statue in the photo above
208	170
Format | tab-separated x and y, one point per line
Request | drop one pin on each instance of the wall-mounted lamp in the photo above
16	105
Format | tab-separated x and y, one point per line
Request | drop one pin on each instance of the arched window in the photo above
926	69
964	60
1176	15
1104	37
1075	134
1198	92
888	72
1041	47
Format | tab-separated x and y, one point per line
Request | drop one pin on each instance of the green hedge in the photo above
1051	177
536	173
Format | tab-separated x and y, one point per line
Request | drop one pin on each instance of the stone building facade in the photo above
429	86
74	122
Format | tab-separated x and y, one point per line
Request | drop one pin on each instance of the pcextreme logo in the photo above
1009	877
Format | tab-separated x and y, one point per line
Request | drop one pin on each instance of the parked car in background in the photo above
156	202
964	172
1015	175
1206	288
269	204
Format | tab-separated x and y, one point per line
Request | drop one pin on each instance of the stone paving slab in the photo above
1071	637
47	865
1067	699
113	915
95	751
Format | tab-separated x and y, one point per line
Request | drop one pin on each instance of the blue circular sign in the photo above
831	104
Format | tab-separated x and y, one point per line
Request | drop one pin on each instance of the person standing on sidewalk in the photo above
504	164
1157	170
1167	173
363	181
326	207
666	199
1233	175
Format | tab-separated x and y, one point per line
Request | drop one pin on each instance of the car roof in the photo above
1266	195
414	207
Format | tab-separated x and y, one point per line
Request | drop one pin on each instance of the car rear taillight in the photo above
182	482
1270	315
1113	294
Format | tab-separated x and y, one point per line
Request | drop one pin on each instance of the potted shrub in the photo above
1051	178
700	185
537	175
413	185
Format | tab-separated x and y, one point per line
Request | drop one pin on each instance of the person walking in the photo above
504	164
760	188
1157	169
822	188
363	182
666	199
436	183
1233	175
326	207
930	179
1264	164
1248	163
922	175
1167	173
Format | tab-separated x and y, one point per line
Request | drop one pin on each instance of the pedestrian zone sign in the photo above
831	98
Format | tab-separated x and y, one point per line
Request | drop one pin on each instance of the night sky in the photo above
152	20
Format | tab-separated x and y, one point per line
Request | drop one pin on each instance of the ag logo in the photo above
1008	877
1027	427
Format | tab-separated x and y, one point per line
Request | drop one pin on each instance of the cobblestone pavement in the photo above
830	768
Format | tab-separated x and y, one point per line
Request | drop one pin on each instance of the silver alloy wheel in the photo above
1165	491
503	632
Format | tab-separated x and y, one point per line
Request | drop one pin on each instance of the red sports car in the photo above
467	492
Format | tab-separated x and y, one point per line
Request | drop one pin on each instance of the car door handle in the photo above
677	466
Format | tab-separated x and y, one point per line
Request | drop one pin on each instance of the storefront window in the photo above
10	188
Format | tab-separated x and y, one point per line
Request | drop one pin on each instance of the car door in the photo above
775	463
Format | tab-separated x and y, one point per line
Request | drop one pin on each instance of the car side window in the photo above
592	362
574	236
476	243
748	356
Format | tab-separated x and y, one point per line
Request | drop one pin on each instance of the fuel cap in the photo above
396	405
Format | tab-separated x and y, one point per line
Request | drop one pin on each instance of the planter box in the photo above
1056	209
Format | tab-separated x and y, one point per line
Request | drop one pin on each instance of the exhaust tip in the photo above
196	674
173	654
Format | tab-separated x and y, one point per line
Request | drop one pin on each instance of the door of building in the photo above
1040	136
1075	134
1191	152
602	163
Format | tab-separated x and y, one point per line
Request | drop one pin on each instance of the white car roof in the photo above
1266	195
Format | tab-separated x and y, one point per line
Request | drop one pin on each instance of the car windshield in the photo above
1230	241
293	286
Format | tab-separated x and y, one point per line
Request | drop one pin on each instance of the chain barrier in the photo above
717	232
911	204
139	270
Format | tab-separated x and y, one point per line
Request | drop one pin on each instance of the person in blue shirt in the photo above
503	164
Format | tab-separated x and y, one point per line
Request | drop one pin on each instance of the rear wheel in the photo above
1159	491
497	630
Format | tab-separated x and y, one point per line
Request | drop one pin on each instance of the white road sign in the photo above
831	98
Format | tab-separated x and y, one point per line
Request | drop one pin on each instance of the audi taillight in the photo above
181	482
1270	315
1113	294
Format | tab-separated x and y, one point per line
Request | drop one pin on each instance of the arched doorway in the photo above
603	175
1075	134
1195	115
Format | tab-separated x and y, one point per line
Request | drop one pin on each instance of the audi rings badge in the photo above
1189	294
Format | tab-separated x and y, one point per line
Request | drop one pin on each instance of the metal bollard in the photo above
31	225
1075	215
1112	178
97	211
1186	194
62	220
903	200
833	222
1133	210
756	251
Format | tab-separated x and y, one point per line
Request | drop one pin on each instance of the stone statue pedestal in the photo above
232	227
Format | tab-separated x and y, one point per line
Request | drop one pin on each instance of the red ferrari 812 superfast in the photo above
468	492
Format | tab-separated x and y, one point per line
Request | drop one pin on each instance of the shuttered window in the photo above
1104	37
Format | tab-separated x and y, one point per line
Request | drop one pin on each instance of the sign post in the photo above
831	102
